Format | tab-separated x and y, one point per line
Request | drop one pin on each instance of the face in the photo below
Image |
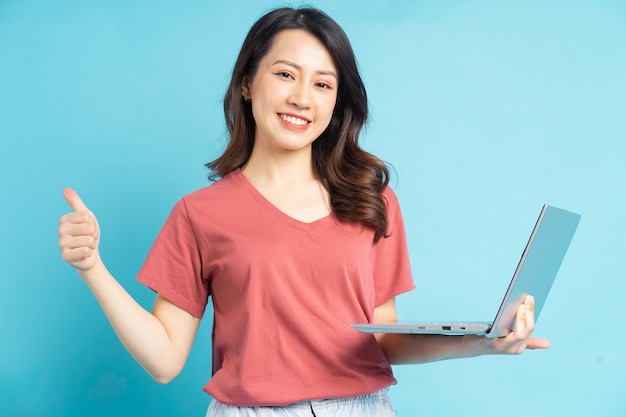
293	92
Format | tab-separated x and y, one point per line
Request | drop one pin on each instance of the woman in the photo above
299	237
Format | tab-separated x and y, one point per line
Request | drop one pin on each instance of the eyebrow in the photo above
298	67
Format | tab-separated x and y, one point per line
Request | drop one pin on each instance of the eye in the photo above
324	86
284	74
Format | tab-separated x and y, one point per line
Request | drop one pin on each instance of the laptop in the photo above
534	276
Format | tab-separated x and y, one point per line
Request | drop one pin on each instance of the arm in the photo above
159	341
405	348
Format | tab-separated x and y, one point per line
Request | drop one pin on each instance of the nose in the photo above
300	95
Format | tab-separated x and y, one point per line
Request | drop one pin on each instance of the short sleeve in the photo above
392	268
173	267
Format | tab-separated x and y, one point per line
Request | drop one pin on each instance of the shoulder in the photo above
224	195
223	190
221	202
394	211
390	198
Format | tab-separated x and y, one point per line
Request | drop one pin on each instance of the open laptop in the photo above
534	276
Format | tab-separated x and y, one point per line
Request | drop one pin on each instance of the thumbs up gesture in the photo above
79	234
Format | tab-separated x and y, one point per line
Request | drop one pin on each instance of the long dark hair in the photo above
354	178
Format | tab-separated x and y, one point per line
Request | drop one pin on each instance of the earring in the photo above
245	97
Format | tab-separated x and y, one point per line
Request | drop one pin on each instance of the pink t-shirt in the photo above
284	293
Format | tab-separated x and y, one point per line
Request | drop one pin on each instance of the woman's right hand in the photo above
79	234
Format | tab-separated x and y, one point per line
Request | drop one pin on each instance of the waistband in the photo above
376	396
376	404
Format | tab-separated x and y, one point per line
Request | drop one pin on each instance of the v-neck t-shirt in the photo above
284	293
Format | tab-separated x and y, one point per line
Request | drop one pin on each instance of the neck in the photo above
284	168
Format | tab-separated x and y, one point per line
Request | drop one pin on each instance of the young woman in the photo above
298	237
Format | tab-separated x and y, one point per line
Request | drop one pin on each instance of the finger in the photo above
530	313
74	242
77	217
78	226
73	199
520	321
77	255
537	343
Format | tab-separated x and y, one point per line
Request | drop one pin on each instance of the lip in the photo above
281	117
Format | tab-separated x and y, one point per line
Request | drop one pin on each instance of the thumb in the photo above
73	199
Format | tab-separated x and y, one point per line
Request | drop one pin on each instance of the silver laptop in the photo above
534	276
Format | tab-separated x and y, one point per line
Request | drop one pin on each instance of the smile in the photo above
294	120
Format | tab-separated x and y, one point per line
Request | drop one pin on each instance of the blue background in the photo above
486	110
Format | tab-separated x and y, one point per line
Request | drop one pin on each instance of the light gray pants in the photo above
376	404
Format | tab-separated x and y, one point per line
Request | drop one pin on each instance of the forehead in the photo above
300	47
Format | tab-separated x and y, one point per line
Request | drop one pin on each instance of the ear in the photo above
245	86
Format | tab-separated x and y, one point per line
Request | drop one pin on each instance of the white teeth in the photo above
294	120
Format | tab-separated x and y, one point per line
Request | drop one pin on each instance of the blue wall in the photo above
486	110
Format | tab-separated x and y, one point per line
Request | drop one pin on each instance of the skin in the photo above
293	95
160	340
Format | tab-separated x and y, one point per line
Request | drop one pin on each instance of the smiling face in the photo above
293	92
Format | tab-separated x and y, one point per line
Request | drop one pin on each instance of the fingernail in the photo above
531	299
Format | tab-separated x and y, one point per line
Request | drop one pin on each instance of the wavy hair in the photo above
354	178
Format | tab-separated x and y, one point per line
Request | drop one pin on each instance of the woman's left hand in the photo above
520	338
